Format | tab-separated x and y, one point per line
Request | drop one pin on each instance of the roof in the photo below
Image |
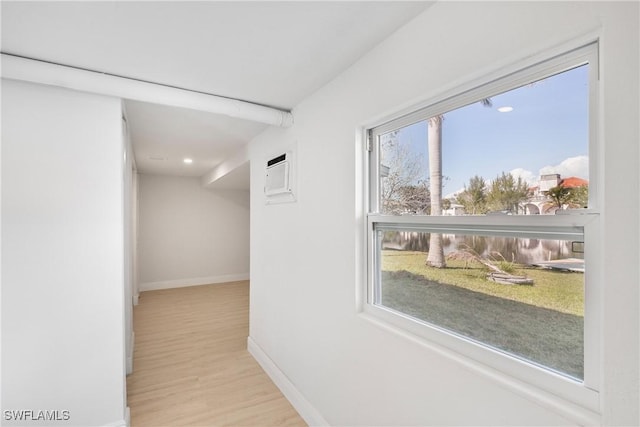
573	182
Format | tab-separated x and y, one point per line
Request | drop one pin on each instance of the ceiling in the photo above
162	136
270	53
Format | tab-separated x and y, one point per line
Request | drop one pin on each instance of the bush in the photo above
506	266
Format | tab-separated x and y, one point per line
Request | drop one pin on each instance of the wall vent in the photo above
277	180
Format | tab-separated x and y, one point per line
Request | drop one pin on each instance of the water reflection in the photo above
520	250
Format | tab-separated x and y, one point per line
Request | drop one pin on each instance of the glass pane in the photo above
522	296
522	152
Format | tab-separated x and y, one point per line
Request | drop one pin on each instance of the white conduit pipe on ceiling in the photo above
35	71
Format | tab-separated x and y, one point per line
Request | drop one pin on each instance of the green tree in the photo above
580	196
566	197
506	193
559	196
474	196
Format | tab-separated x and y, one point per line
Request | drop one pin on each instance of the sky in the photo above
546	132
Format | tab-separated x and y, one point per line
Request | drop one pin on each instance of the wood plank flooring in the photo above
191	366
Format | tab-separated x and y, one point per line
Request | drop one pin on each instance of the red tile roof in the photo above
573	182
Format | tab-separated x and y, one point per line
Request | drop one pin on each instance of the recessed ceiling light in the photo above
505	109
187	161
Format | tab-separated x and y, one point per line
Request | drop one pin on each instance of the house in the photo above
66	171
573	182
538	201
454	209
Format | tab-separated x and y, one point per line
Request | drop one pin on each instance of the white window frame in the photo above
572	224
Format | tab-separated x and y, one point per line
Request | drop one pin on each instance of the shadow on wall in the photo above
238	197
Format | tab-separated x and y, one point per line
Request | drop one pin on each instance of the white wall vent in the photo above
277	179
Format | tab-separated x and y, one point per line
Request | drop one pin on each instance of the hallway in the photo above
191	366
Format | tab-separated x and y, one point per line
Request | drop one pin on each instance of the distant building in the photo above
573	182
453	210
537	201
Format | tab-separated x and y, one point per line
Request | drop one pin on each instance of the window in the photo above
482	212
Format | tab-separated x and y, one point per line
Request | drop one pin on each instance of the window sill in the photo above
567	397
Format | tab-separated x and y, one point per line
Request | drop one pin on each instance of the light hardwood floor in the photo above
191	366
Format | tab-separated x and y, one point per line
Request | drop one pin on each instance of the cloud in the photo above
526	175
573	166
454	194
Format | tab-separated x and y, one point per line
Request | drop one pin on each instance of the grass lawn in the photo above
542	323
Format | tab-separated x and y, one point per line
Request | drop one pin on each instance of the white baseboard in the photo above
306	410
130	355
193	281
120	423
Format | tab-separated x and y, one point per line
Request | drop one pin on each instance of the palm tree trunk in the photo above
436	251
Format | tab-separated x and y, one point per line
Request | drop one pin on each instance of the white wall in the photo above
134	234
128	215
62	254
306	257
189	235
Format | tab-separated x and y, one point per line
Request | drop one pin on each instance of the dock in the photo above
567	264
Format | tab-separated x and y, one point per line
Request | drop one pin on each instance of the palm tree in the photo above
436	250
566	197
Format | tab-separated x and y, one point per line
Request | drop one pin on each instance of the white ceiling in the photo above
163	136
271	53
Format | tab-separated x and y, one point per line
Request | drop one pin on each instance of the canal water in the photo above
519	250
